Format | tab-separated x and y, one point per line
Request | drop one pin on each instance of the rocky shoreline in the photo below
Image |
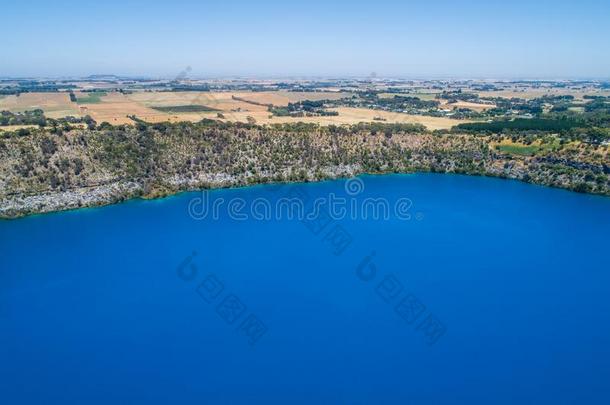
45	172
13	207
108	194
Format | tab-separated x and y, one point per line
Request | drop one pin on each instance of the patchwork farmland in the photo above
158	106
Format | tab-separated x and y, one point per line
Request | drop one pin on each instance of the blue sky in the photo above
528	39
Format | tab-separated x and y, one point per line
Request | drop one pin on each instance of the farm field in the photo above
479	107
282	98
423	96
89	98
115	107
530	93
349	115
55	105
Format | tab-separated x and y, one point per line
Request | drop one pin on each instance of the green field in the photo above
191	108
91	98
523	150
424	96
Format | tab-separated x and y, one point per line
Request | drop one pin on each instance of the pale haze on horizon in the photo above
517	39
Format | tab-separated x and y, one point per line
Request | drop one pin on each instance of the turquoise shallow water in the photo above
492	291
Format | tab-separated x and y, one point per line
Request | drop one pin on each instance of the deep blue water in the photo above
503	290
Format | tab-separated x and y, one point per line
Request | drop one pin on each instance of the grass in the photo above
523	150
425	96
191	108
548	145
91	98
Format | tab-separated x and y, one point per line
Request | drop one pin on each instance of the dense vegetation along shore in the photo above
63	166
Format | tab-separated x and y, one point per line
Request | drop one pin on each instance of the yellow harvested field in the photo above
55	105
356	115
115	107
348	115
225	101
466	104
16	127
282	98
218	100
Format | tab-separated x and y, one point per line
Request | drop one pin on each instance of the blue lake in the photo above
486	291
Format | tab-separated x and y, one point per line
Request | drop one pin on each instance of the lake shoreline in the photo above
120	192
